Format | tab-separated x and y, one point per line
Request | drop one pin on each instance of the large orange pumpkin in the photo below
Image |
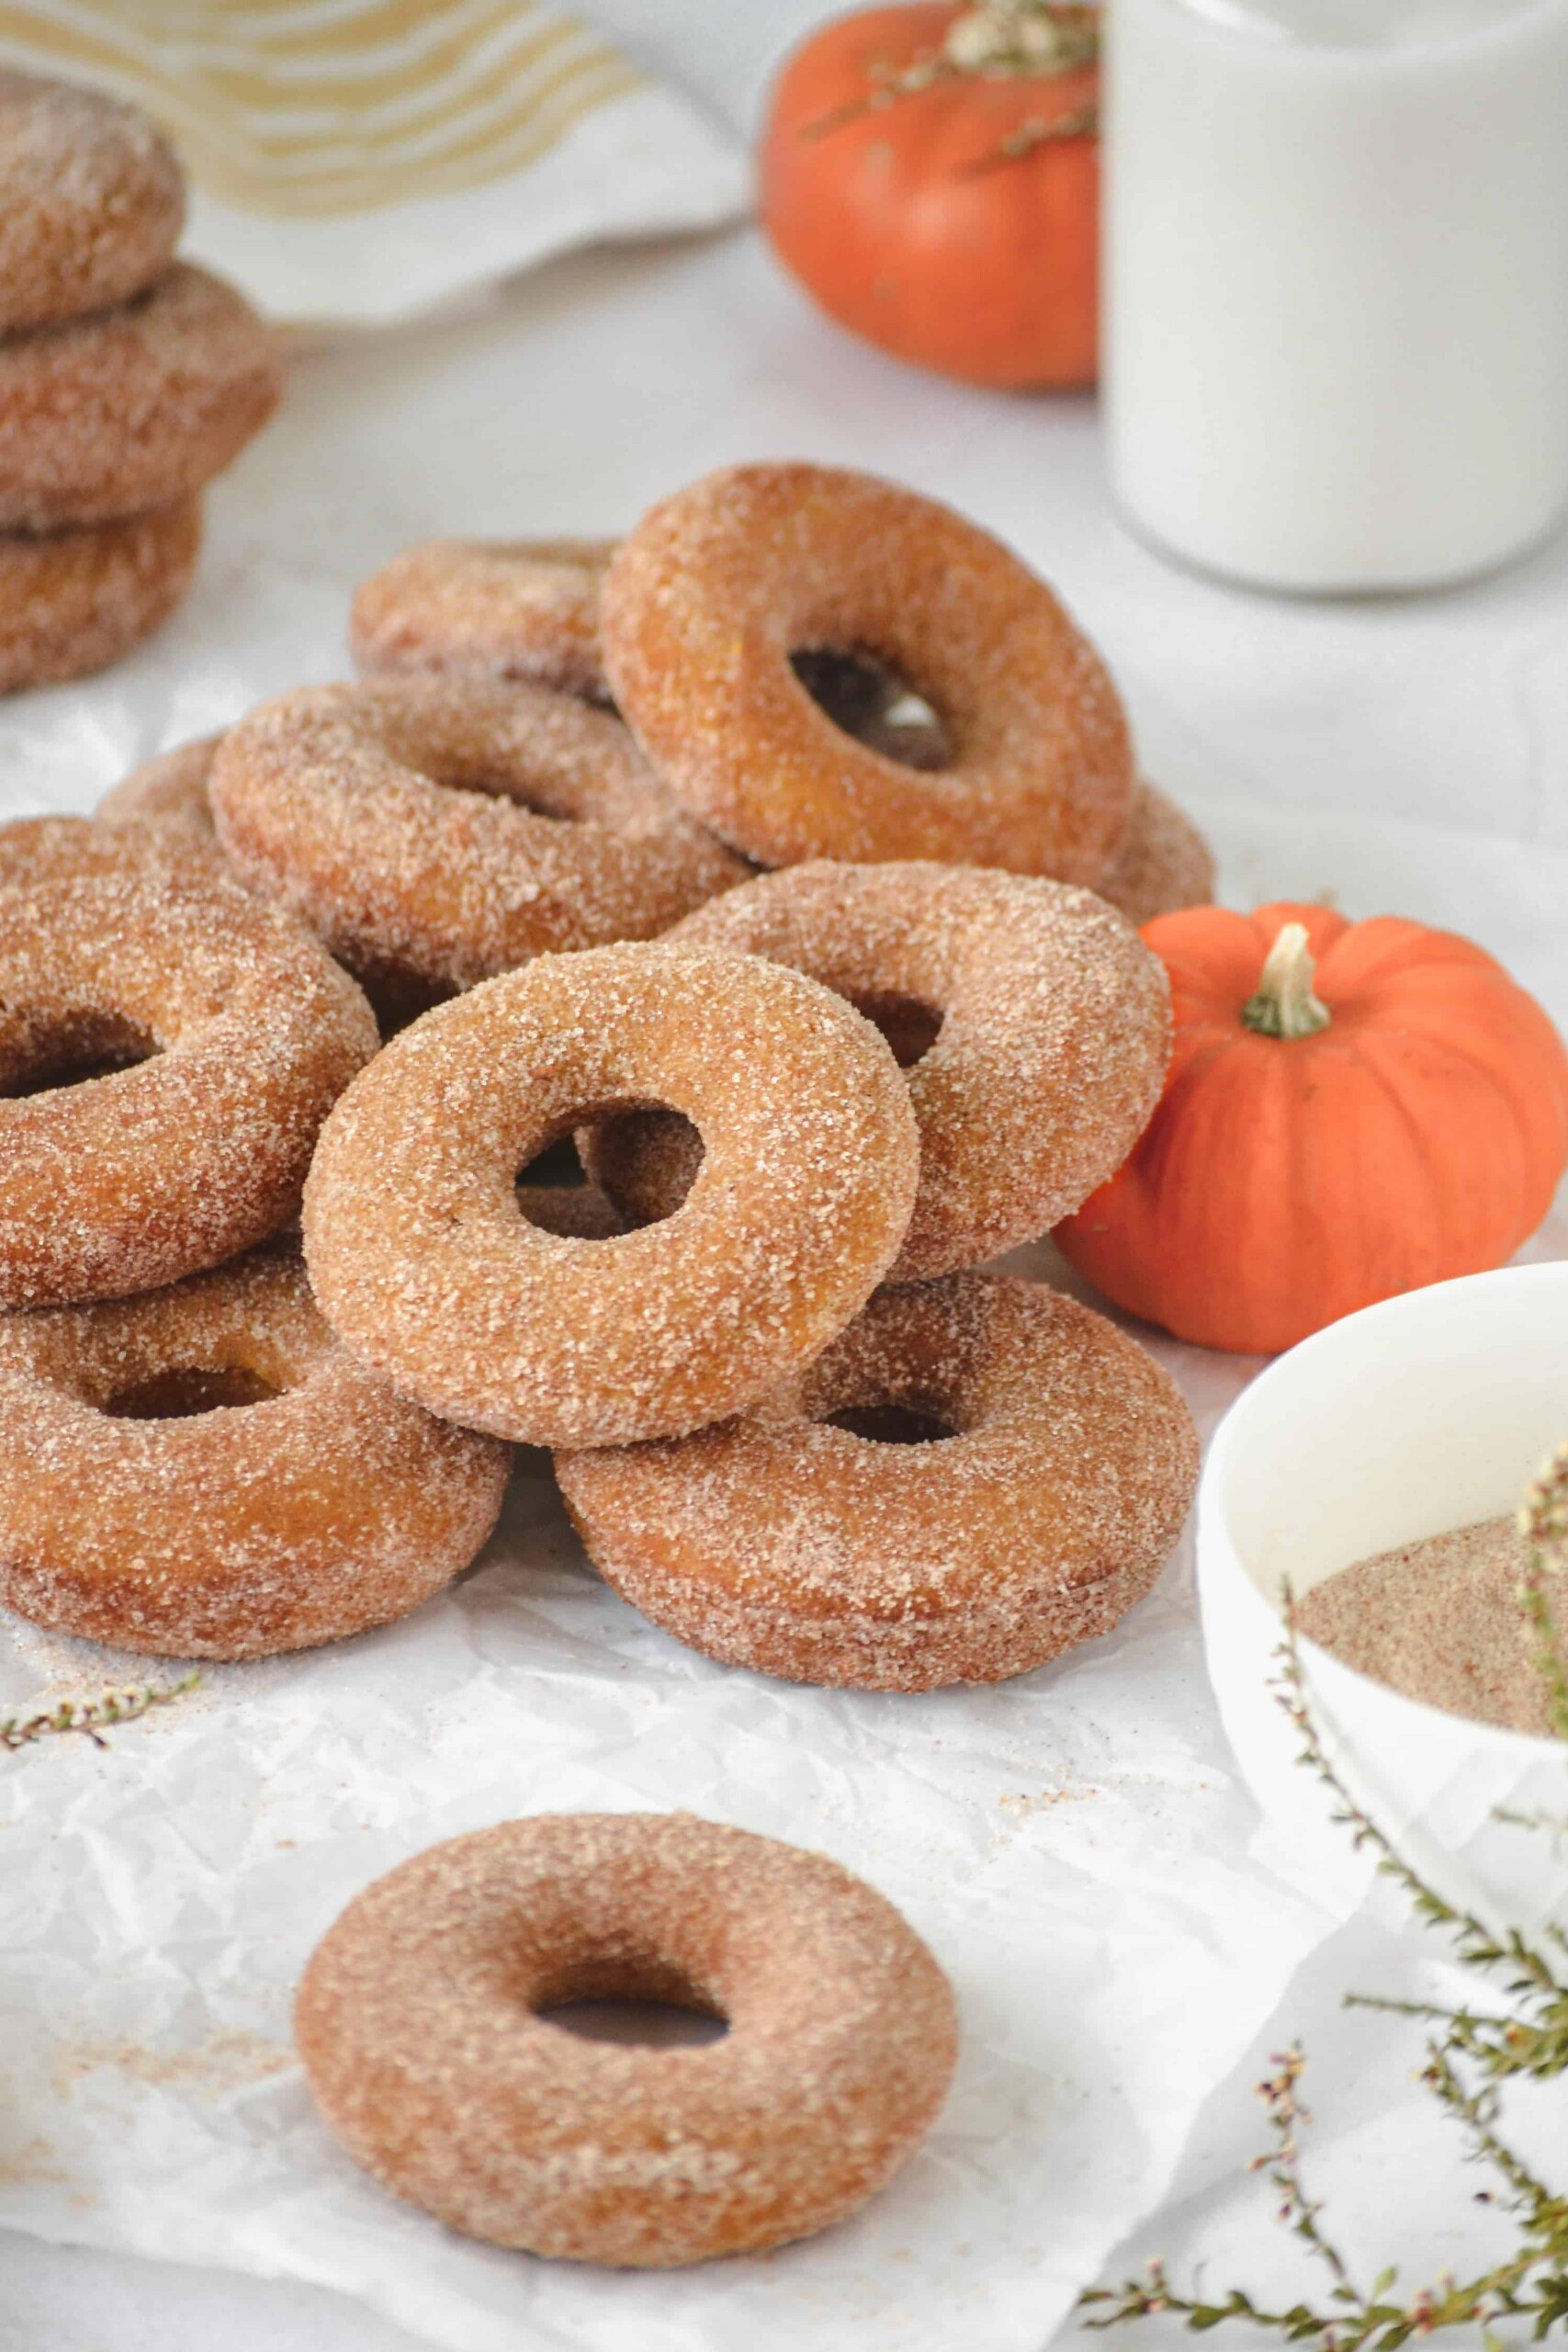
1330	1135
931	174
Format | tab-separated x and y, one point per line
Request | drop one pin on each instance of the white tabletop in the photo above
564	408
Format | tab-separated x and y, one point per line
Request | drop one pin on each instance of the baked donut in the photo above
107	415
425	1267
169	790
500	608
74	601
419	2023
719	586
39	850
449	829
1164	861
242	1031
94	200
141	1506
818	1538
1052	1033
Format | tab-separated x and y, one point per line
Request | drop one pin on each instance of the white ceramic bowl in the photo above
1425	1413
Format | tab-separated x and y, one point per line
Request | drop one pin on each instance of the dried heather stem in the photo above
93	1717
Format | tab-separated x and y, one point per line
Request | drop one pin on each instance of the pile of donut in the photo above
127	380
748	869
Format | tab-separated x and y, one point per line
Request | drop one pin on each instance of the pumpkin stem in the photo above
1283	1004
1013	36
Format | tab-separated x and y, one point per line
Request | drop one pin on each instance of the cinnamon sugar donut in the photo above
39	850
419	2023
242	1030
139	1505
94	200
170	790
1164	861
74	601
1059	1465
718	588
107	415
500	608
425	1267
449	829
1052	1035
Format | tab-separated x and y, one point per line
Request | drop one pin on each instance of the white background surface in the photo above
1403	755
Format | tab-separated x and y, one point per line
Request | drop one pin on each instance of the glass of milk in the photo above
1336	284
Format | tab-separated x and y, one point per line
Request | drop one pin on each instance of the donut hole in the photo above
646	1158
532	793
866	697
911	1026
896	1422
71	1053
185	1390
632	1998
557	1164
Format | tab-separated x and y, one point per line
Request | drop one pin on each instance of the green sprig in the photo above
93	1717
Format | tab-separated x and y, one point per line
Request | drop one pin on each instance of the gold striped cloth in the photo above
362	160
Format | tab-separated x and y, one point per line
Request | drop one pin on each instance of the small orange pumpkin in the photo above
1352	1110
931	174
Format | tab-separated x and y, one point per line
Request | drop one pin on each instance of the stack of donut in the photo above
127	380
742	867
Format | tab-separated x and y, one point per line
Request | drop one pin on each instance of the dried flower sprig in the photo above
1544	1523
93	1717
1529	2036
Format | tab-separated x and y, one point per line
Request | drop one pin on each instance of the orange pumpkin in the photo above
1330	1135
931	174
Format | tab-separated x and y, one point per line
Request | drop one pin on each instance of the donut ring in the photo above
1164	861
76	601
784	1541
125	1180
169	790
716	589
1053	1037
35	851
418	2023
417	823
95	202
498	608
426	1268
107	415
329	1505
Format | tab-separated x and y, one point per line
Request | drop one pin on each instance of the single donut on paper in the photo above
169	790
107	415
168	1050
94	200
1164	861
444	829
977	1475
496	608
426	1267
72	602
720	588
422	2024
1036	1026
202	1472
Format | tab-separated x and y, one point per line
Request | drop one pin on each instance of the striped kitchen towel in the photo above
361	161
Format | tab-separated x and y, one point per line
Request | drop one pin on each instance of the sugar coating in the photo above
1055	1033
417	2024
781	1541
135	407
1439	1620
94	201
74	601
39	850
127	1180
450	829
332	1506
425	1267
1163	864
716	588
499	608
169	790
